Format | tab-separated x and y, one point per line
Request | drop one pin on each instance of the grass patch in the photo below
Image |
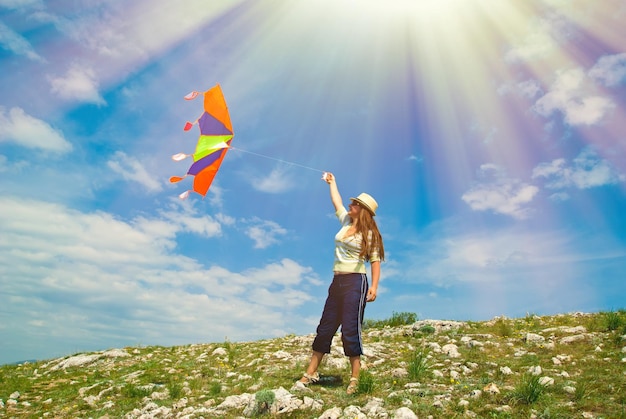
529	390
396	319
613	320
366	382
418	367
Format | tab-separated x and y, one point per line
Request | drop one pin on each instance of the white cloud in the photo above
79	84
570	95
500	194
277	181
183	215
542	37
264	233
19	127
529	88
586	171
121	280
132	170
17	44
610	70
11	166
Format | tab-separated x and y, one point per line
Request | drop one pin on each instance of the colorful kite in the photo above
216	134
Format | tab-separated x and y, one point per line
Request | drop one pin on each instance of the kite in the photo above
216	134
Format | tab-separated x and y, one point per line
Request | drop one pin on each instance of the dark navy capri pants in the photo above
345	306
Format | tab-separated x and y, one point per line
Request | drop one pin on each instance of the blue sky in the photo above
492	135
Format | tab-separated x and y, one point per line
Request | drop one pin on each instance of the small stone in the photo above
569	389
491	388
546	381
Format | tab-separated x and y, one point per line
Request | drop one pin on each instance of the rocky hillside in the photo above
560	366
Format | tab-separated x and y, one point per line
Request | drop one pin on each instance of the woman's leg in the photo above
316	360
355	365
353	309
330	321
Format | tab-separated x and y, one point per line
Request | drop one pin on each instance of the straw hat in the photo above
367	201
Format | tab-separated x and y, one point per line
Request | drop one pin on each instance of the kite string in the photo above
279	160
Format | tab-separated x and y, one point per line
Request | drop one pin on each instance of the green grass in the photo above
529	390
588	374
418	366
396	319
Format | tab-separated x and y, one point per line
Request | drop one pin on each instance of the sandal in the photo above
353	387
310	378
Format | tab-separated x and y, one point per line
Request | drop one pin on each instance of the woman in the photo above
357	242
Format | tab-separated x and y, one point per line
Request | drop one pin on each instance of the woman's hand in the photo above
371	294
328	177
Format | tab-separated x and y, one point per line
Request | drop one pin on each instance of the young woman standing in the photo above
357	243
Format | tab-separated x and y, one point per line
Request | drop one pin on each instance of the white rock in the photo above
312	404
374	408
571	339
546	381
556	361
434	346
333	413
404	413
299	386
219	352
76	361
236	402
451	350
15	395
566	329
282	355
491	388
535	370
180	403
506	370
116	353
437	373
337	362
463	403
353	412
534	338
569	389
475	394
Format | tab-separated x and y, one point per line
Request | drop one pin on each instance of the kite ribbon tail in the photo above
192	95
180	156
175	179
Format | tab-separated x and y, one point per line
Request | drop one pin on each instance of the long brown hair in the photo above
370	242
